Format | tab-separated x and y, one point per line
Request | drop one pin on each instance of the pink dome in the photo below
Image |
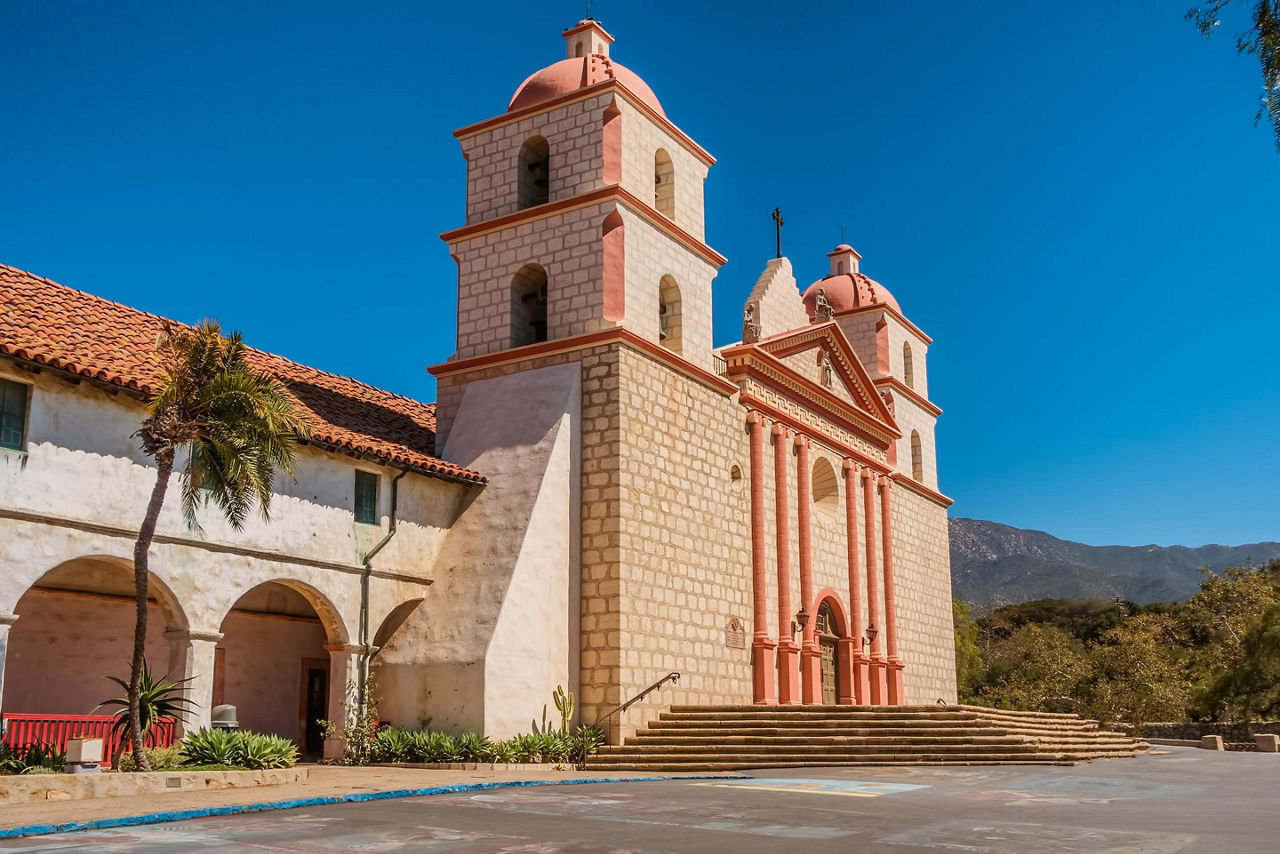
570	75
849	290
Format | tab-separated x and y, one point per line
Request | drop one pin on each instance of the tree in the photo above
1039	668
1137	674
968	657
237	427
1251	687
1262	40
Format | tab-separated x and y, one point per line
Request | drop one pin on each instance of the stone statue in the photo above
822	310
750	325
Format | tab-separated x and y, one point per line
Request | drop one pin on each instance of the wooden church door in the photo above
827	637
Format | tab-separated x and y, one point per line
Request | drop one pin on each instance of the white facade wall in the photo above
81	488
780	307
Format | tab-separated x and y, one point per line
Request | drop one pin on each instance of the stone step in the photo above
714	740
791	727
744	761
847	714
846	751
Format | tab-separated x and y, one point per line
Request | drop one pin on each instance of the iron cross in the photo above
777	217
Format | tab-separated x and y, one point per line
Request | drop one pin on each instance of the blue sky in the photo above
1069	197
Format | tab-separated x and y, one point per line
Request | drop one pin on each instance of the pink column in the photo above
894	671
810	655
788	651
876	678
762	662
857	667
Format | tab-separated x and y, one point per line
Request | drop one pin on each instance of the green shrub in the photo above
587	740
507	751
474	747
159	758
37	758
527	747
393	745
241	749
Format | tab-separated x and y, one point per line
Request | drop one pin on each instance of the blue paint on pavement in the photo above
356	797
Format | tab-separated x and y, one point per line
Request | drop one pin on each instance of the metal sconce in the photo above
801	620
872	631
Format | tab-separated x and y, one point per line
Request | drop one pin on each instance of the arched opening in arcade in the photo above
274	666
75	628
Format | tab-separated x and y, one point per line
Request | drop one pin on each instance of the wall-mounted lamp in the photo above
801	620
872	631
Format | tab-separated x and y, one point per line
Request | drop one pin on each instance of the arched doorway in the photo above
75	628
828	643
273	662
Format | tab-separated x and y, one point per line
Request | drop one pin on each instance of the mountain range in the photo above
994	565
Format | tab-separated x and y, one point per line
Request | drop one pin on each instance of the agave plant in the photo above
36	758
158	700
209	747
393	745
507	751
475	747
527	747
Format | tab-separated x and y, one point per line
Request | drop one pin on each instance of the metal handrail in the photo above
673	676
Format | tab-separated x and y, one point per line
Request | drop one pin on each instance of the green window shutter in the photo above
13	414
366	498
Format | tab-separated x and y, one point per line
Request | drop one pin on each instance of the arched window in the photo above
917	457
908	370
534	177
577	51
826	488
528	305
669	314
664	184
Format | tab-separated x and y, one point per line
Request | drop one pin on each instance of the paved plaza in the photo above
1179	800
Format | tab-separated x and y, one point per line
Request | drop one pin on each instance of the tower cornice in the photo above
614	193
581	95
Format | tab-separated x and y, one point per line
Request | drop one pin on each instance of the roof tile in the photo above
50	324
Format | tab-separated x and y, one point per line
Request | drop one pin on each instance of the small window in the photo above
825	488
534	178
917	457
13	414
664	184
908	369
366	498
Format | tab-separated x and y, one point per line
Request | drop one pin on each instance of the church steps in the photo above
689	738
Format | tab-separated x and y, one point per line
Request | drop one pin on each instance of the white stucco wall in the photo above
262	673
500	626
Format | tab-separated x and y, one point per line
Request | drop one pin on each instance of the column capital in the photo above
885	482
193	635
7	618
348	648
781	431
754	417
802	441
868	473
850	466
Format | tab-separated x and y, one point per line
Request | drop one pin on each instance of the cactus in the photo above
564	704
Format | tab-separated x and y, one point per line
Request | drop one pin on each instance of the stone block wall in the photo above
651	254
573	135
641	139
567	245
780	306
683	562
922	574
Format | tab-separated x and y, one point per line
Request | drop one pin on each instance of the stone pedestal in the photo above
846	682
191	656
811	675
1211	742
878	676
1267	743
763	667
894	679
788	673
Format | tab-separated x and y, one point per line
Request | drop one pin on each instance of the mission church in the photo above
600	495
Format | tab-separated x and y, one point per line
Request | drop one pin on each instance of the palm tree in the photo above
237	426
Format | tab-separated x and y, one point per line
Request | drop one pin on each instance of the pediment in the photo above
808	351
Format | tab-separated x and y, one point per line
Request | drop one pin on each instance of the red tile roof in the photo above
45	323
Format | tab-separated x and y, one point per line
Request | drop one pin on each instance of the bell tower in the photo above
584	213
